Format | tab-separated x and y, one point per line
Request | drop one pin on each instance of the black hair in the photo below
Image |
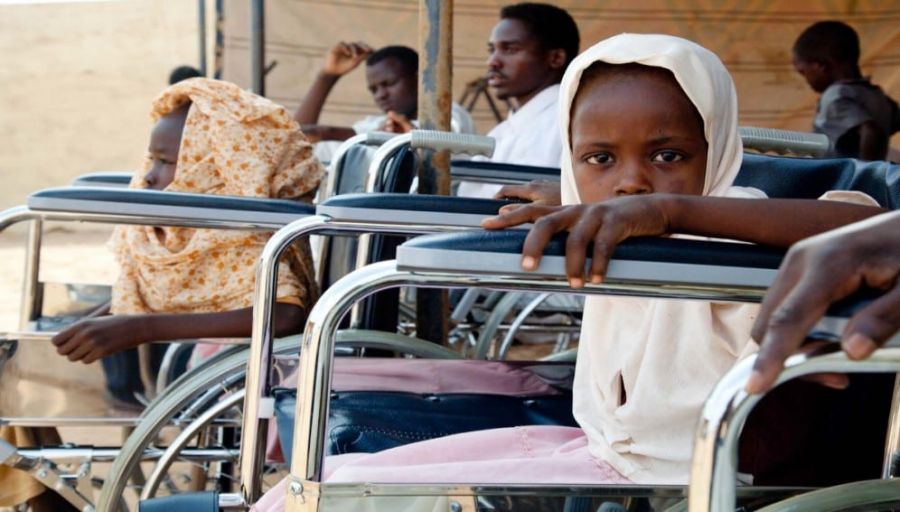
406	56
551	26
183	73
828	41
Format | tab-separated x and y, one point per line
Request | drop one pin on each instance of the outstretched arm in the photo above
93	338
819	271
341	59
777	222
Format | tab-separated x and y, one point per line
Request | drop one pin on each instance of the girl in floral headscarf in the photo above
210	137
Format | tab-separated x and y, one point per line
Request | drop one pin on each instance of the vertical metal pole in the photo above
435	99
29	302
258	47
201	20
219	48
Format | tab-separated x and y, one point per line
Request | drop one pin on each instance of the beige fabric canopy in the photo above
753	39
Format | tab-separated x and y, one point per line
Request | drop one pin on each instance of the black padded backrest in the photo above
351	170
809	178
777	176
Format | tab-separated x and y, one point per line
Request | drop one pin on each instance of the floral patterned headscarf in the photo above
234	143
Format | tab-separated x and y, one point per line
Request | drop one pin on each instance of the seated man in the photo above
391	76
528	52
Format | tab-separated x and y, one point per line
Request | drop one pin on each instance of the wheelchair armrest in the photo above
135	204
651	260
103	179
410	209
496	172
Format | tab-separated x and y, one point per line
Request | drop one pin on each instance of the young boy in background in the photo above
856	115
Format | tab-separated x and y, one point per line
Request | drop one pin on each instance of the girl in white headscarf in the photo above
649	126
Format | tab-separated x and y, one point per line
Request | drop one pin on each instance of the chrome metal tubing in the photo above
892	445
28	303
185	436
517	323
382	156
262	334
74	454
714	463
313	387
22	213
15	215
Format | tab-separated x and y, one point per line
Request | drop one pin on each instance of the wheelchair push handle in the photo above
784	141
453	142
378	138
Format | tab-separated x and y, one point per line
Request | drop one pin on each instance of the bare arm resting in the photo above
93	338
776	222
821	270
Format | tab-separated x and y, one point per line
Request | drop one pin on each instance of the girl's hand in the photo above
537	192
602	225
93	338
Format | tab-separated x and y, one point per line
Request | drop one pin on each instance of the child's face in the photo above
814	73
636	134
165	141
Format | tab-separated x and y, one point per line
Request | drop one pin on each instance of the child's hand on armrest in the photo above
603	225
536	192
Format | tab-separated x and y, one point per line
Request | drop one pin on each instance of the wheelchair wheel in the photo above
181	404
206	405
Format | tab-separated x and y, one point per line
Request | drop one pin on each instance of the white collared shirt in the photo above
529	136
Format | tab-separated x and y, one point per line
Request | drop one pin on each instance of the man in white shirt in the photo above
529	50
391	77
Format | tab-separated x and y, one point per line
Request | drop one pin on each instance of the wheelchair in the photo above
880	180
110	204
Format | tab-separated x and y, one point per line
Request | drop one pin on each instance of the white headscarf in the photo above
700	74
667	354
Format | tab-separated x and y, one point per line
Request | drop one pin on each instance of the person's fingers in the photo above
509	207
580	235
873	325
524	214
93	355
512	191
605	243
63	336
365	48
792	268
537	239
786	329
80	351
343	49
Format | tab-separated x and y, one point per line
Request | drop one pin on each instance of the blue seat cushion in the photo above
371	421
207	501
